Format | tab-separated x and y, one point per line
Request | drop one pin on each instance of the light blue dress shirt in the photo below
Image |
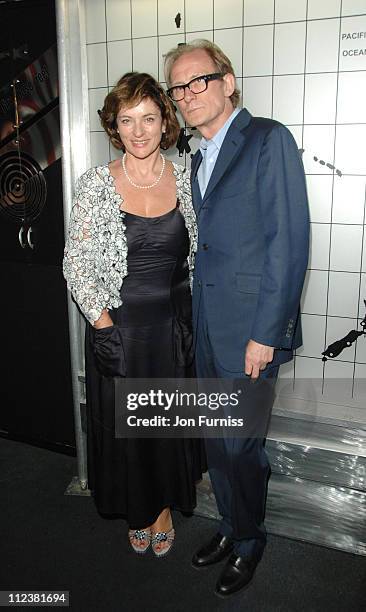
210	150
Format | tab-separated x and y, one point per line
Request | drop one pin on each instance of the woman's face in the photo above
140	128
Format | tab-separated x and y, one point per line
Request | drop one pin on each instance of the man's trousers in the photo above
238	467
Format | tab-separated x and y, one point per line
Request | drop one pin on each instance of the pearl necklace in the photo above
143	186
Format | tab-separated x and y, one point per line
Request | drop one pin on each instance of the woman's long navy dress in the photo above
137	478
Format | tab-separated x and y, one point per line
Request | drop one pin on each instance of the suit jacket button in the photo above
205	247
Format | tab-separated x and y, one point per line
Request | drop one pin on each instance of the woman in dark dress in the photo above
128	257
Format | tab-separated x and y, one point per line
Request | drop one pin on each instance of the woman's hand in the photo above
103	321
108	347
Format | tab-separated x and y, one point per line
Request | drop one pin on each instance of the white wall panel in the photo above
349	199
309	368
95	22
289	48
199	15
118	19
257	95
319	246
350	149
320	98
228	14
314	296
288	10
324	8
144	18
97	65
119	59
351	107
258	12
258	51
320	197
363	267
285	88
145	56
353	7
346	245
343	294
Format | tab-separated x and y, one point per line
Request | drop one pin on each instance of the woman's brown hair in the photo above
130	90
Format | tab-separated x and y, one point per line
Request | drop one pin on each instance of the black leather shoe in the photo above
236	575
217	549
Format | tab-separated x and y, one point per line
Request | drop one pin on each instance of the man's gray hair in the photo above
221	61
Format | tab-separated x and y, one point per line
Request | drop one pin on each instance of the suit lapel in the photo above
230	149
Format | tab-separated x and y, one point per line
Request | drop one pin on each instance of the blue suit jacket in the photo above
253	226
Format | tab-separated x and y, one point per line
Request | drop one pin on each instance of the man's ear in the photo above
229	82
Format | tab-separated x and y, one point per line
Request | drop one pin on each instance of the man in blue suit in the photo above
249	194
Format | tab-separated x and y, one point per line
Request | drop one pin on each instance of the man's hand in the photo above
256	358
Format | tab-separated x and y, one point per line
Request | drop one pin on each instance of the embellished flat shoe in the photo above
158	538
140	535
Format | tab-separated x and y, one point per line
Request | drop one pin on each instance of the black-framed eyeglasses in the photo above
196	86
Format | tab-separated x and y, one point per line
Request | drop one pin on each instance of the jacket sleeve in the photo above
79	263
187	210
285	218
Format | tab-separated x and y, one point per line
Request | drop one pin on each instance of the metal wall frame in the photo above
74	115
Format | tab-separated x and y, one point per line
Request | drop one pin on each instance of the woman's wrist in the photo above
103	321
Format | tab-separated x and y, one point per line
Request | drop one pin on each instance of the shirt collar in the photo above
217	140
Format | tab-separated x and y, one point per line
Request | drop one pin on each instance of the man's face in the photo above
209	110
